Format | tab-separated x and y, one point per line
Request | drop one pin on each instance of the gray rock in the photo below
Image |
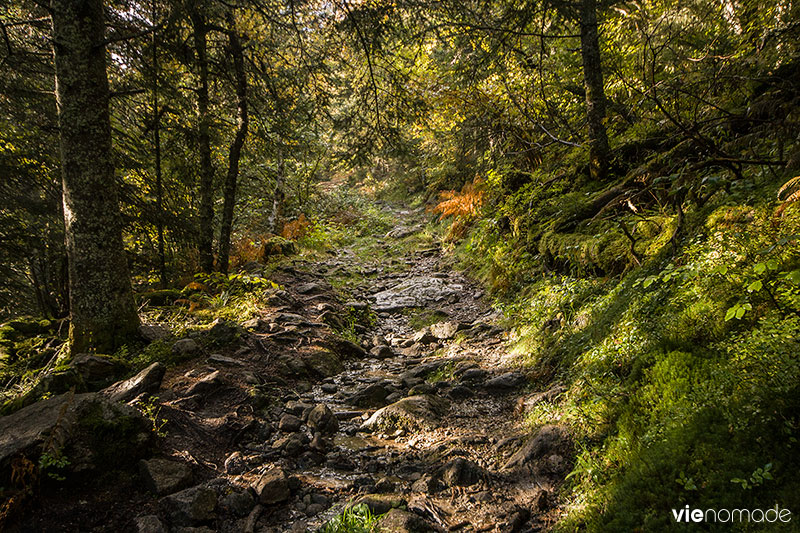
164	476
414	412
297	408
322	419
235	463
204	386
222	332
421	291
548	440
460	472
401	232
190	506
507	381
460	392
224	360
424	336
382	352
381	503
289	423
371	396
71	421
153	332
422	388
272	487
96	371
186	348
446	330
473	375
400	521
148	380
292	445
149	524
239	503
256	324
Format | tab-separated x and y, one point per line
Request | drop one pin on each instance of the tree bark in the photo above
595	93
278	197
162	264
206	211
103	315
235	152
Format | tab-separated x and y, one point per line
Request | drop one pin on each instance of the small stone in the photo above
150	524
329	388
205	385
235	463
239	503
382	352
164	476
446	330
272	487
289	423
186	348
507	381
195	504
322	419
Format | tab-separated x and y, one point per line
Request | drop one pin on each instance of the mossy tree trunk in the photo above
229	202
103	315
595	93
206	214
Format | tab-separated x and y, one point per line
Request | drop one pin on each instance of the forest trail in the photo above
287	423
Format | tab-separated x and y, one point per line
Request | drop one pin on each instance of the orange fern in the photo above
793	186
296	229
462	205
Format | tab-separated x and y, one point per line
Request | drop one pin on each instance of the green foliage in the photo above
353	519
151	410
52	465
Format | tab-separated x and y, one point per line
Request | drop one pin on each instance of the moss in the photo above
160	297
606	253
278	246
117	440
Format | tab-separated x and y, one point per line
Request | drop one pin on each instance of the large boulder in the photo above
148	380
92	432
423	411
421	291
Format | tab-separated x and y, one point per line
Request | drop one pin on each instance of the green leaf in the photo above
760	268
755	286
730	314
649	281
739	313
794	276
772	264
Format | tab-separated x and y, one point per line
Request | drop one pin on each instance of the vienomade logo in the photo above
723	516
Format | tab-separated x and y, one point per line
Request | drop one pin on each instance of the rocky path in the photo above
330	397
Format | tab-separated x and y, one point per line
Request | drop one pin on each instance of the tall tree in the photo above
206	214
235	152
103	315
595	93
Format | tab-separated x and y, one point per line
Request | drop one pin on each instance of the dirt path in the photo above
339	395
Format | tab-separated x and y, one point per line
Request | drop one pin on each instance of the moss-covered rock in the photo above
161	297
278	246
90	432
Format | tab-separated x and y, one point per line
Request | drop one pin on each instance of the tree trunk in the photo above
277	199
103	315
595	93
162	264
206	214
236	146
